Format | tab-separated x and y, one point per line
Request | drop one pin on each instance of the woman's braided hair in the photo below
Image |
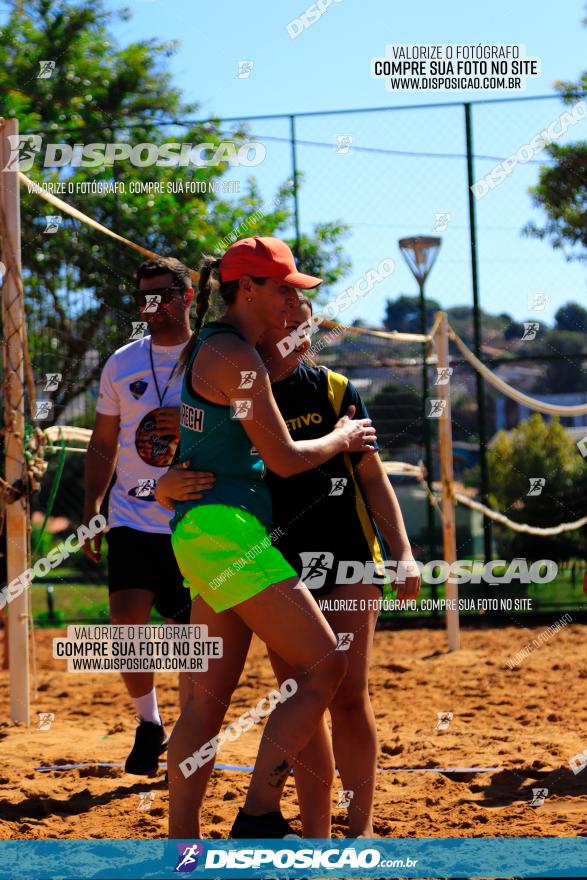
209	282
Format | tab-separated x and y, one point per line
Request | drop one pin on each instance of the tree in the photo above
403	313
571	317
562	188
538	449
514	330
396	411
574	90
494	327
562	193
77	282
566	374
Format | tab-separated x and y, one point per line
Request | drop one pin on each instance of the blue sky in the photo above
327	67
383	196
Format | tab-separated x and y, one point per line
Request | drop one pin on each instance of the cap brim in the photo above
304	282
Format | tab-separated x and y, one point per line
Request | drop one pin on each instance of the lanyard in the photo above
159	395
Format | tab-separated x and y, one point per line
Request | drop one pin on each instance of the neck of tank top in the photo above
282	377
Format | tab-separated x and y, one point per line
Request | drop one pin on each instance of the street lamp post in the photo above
420	253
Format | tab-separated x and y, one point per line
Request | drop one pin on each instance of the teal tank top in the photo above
214	441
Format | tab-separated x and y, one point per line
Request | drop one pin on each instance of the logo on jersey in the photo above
138	388
192	418
299	422
154	448
145	490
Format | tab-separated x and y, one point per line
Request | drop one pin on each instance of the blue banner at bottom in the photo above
388	858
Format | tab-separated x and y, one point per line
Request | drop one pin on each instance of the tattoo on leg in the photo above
278	776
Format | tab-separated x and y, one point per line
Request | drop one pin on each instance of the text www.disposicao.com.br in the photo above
138	664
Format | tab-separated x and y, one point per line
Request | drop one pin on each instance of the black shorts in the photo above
320	569
145	561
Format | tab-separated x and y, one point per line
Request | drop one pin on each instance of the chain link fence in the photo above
382	175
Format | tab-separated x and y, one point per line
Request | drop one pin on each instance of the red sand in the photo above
528	722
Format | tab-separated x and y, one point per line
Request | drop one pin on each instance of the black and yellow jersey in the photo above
321	512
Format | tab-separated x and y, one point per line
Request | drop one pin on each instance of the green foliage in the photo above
95	79
567	374
566	338
81	601
44	619
537	448
323	255
46	543
78	287
570	90
403	313
493	327
471	477
69	499
465	421
562	189
397	414
571	317
562	193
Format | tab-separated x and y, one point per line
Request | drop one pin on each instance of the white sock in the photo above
146	707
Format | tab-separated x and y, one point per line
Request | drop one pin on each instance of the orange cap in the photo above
265	257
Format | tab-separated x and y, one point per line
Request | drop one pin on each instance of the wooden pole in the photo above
449	532
13	318
4	612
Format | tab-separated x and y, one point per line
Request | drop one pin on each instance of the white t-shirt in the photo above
127	389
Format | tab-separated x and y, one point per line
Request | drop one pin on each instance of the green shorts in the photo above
225	555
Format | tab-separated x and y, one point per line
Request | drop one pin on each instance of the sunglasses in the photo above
163	294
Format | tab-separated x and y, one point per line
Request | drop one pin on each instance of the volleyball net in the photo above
29	446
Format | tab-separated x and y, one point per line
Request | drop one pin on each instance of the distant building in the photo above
509	413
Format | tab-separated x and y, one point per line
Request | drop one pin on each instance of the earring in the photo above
249	299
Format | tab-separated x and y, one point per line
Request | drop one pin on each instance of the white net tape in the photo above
57	433
82	435
539	405
519	527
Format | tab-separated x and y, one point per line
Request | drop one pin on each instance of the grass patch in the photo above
89	601
73	602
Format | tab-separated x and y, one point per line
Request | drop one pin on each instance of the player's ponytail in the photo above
209	282
207	267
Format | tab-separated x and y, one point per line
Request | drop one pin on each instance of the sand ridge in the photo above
527	722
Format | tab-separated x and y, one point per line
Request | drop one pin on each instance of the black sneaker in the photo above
150	742
264	826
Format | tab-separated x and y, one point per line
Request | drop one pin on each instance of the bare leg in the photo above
127	607
184	687
202	716
183	679
354	730
293	627
313	771
353	721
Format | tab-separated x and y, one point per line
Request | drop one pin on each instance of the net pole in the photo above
449	532
480	385
13	317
